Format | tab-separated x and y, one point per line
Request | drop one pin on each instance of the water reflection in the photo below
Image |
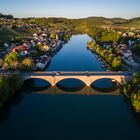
92	112
91	115
36	84
84	91
105	85
70	85
135	114
74	56
5	111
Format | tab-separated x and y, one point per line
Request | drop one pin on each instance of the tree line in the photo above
6	16
110	55
132	90
9	84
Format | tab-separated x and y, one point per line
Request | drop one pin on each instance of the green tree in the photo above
116	64
27	64
4	89
110	58
53	35
14	82
10	58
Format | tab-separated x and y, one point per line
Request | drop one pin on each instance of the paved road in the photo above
68	73
78	73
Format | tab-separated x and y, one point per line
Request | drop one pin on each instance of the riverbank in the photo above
9	86
107	56
131	90
28	54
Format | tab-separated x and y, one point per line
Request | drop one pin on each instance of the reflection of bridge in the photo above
84	91
53	77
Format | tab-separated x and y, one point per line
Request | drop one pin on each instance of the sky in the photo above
71	8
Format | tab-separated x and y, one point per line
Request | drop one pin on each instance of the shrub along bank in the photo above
9	85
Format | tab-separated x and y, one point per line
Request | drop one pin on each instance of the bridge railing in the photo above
55	73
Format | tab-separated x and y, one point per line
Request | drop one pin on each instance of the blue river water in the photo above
54	114
74	56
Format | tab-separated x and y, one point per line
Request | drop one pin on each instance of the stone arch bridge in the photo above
53	77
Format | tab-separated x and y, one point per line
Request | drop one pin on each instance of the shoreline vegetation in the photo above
112	61
131	90
112	56
10	84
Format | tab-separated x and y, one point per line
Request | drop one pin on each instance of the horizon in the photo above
72	18
125	9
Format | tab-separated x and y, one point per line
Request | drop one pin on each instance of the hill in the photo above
135	22
6	16
8	34
83	25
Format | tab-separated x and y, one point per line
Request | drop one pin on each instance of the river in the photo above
56	114
74	56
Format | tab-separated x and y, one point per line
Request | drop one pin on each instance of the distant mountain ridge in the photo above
85	22
134	22
97	21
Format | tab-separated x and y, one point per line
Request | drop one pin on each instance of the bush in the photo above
132	91
11	57
116	64
27	64
8	86
53	36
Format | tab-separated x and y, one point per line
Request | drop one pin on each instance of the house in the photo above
33	43
27	44
35	35
131	34
19	48
44	35
122	46
125	34
13	45
126	54
6	45
57	37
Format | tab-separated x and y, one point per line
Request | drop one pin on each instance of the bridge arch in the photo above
36	84
105	85
83	79
36	77
119	79
70	84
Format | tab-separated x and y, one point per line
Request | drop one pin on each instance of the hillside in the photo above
135	22
8	34
6	16
83	25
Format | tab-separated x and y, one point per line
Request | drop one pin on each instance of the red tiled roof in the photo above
19	47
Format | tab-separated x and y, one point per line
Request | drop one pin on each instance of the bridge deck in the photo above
73	73
53	77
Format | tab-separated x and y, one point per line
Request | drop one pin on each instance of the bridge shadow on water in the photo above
84	91
73	86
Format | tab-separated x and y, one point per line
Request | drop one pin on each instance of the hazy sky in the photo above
71	8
